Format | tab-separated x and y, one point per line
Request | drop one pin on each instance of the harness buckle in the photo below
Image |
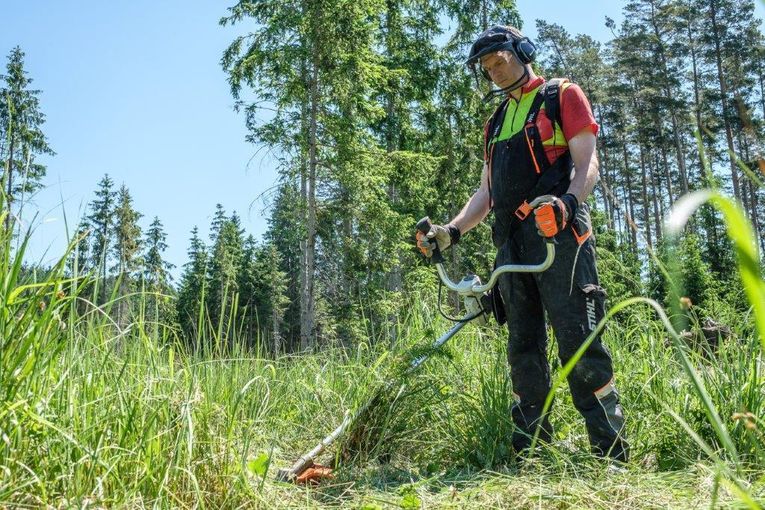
523	211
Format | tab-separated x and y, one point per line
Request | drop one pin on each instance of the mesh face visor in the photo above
482	48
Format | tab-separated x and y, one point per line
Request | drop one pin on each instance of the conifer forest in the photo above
129	380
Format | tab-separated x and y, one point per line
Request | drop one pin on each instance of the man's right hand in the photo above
441	236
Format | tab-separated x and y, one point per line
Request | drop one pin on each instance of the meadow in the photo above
100	415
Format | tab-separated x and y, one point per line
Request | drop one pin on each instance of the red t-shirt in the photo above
576	115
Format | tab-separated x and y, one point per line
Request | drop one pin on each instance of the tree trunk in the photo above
667	176
696	87
668	93
646	213
606	173
724	99
631	202
307	301
276	338
9	181
761	77
395	277
656	192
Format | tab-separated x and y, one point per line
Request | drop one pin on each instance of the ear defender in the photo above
525	50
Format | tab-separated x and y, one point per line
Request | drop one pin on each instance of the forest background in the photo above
392	134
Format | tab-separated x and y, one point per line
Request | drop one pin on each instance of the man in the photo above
540	141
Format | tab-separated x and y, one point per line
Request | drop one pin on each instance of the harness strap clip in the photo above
523	211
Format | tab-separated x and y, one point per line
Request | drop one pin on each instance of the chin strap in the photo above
516	84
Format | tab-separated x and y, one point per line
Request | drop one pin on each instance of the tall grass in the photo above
95	413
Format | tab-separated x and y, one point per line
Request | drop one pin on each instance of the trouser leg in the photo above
526	352
575	304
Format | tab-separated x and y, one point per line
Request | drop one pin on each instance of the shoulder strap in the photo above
552	100
492	127
531	117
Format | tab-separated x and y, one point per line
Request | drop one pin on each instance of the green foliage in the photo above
101	221
156	270
178	427
21	137
222	284
190	307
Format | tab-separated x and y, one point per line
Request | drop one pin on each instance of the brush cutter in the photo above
477	306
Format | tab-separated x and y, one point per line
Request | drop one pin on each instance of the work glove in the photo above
553	216
441	236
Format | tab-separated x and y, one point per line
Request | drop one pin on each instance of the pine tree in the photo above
101	220
22	120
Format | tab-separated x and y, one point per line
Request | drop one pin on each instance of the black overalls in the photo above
568	291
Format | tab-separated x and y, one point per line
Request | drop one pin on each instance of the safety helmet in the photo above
501	38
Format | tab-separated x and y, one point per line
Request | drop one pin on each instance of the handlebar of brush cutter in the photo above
466	287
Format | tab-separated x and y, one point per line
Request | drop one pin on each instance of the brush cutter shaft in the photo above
307	460
438	343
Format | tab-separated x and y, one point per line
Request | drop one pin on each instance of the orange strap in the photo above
580	239
530	144
488	175
523	211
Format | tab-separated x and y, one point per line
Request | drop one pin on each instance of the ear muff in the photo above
525	50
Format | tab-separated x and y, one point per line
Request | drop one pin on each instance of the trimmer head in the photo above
312	474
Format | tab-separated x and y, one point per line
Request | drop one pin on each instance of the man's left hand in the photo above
553	216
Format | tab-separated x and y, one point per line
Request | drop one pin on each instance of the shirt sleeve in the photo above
576	112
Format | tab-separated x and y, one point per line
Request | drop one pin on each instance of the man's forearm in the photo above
475	210
584	182
585	158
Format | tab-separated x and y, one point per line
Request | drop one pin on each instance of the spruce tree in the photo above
189	306
101	220
225	262
126	249
248	316
219	218
271	293
284	235
156	270
22	119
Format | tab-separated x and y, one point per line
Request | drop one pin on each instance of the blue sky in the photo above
135	89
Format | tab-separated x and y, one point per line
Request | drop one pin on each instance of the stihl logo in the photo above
591	314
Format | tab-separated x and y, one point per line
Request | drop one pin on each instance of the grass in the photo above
97	416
